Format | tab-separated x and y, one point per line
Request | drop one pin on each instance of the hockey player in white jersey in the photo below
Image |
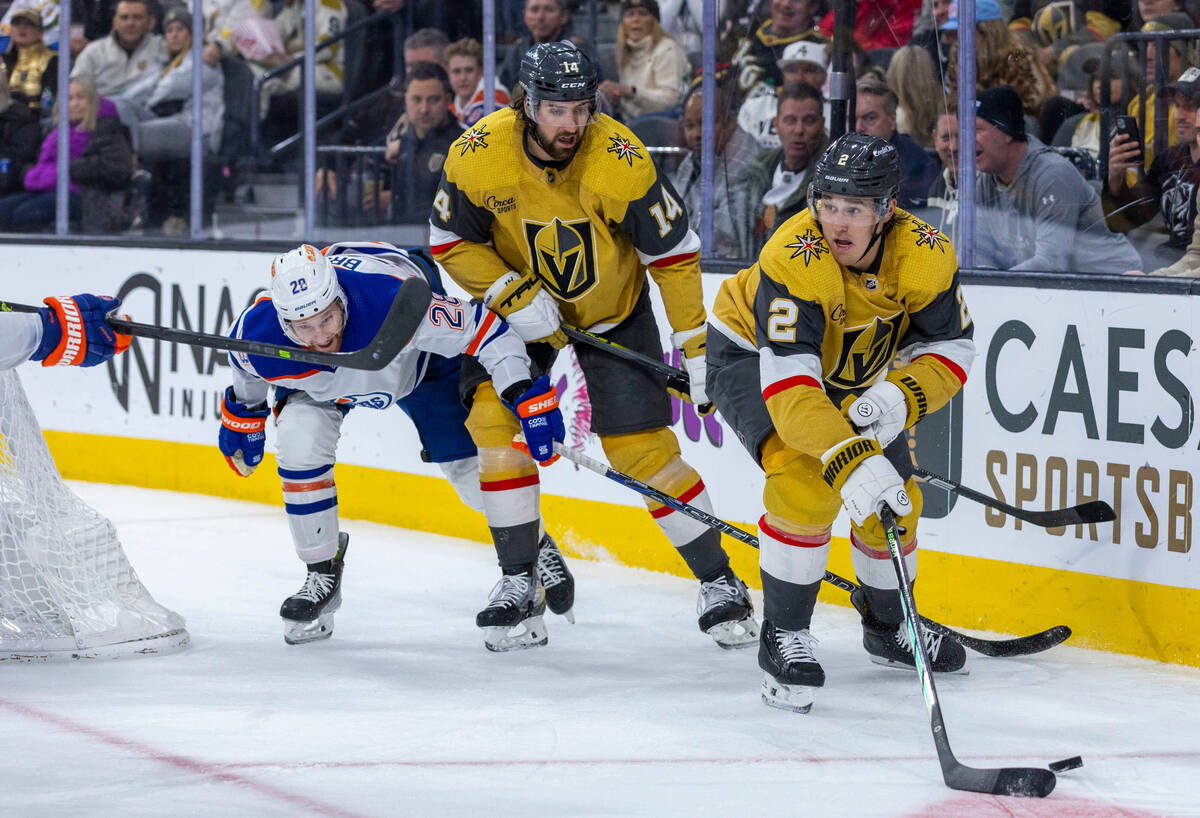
334	300
68	331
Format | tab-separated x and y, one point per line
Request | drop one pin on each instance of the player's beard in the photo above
557	152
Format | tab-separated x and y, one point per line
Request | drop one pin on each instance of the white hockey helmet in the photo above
303	283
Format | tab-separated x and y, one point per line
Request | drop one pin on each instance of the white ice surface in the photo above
632	711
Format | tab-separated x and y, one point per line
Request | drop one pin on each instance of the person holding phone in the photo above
1168	187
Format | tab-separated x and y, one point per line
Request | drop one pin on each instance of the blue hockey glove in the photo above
541	422
242	438
76	332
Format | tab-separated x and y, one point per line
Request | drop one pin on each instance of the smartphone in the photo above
1128	125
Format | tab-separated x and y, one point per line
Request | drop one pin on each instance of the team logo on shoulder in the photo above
866	351
562	254
929	236
623	148
472	139
810	245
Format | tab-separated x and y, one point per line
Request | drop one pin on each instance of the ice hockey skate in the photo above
888	645
513	618
726	612
556	578
308	613
791	671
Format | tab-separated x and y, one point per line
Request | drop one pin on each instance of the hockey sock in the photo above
786	605
516	546
704	556
883	604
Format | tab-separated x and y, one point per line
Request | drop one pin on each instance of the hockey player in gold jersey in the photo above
552	212
803	340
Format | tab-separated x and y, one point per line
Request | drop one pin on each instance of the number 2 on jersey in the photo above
781	326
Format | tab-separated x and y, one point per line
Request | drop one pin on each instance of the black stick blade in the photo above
1017	782
1019	646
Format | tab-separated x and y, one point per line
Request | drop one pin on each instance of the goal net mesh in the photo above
67	589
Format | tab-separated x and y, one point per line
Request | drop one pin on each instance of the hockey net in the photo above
67	590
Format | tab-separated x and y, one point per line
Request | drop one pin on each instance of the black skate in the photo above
889	646
556	578
726	612
513	618
308	613
791	672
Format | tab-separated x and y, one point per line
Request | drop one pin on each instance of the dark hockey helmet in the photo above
858	165
557	72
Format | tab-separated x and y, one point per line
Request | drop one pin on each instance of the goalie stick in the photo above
1028	782
1019	646
405	315
1096	511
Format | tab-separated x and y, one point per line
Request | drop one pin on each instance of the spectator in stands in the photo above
418	143
756	60
927	34
131	51
683	20
427	45
331	19
1177	61
1169	187
734	150
221	19
1188	266
101	162
47	13
942	206
1055	28
913	78
879	23
464	64
875	111
1000	58
97	17
1035	212
651	66
1082	130
20	136
779	177
31	65
158	111
547	23
802	62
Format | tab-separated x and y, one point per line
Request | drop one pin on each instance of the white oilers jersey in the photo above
370	274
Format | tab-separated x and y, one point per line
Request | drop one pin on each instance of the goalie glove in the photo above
242	438
76	332
693	343
866	479
541	421
527	307
881	412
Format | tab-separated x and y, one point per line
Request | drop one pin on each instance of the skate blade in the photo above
796	698
569	615
894	665
735	634
529	633
297	633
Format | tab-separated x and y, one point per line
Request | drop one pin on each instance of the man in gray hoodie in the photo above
1035	211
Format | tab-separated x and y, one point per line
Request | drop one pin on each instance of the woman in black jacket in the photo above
20	136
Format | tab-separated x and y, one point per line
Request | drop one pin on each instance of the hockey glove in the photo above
541	421
76	332
527	307
693	343
865	478
242	438
880	412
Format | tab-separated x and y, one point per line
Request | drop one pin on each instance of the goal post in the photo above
67	590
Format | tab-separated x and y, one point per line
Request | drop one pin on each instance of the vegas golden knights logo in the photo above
562	254
866	351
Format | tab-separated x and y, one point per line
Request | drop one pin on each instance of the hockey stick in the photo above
677	379
1095	511
1029	782
405	315
1019	646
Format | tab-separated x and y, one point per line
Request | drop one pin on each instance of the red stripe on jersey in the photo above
686	497
955	369
669	260
788	383
311	485
508	485
798	540
301	375
441	248
484	329
877	554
